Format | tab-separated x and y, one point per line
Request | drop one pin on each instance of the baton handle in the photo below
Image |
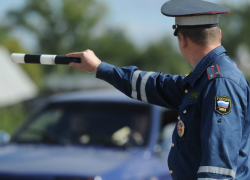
43	59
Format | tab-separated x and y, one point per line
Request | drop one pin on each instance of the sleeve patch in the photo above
223	104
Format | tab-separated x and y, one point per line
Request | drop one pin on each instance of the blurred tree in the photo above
235	30
58	26
70	25
13	45
114	47
63	26
163	56
7	41
12	117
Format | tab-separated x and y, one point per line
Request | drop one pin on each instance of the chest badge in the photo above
180	128
223	104
193	95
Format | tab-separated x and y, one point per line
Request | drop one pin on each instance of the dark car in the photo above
99	135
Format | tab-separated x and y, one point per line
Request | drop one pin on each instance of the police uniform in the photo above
211	137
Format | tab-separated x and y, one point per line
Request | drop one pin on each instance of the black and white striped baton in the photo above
43	59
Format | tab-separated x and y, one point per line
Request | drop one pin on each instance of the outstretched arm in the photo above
155	88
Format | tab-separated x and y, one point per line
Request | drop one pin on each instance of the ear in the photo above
220	33
183	41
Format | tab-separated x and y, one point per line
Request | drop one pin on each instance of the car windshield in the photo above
89	123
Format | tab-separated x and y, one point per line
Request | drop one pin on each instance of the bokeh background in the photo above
124	32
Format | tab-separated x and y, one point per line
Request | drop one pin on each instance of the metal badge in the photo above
180	128
175	26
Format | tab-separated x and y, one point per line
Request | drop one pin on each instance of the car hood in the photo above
61	160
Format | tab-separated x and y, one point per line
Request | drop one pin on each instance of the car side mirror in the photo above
4	137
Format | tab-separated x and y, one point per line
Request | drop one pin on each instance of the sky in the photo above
142	21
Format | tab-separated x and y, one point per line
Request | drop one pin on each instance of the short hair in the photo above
201	36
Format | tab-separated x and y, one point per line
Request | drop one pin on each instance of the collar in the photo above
203	65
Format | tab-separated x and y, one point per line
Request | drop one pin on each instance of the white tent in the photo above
15	84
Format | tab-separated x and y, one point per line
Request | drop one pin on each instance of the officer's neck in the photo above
197	52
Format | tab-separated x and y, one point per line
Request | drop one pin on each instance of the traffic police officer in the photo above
211	138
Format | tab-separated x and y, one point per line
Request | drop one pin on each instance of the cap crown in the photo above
175	8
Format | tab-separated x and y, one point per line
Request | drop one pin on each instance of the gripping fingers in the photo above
78	66
89	60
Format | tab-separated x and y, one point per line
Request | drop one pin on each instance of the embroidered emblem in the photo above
213	72
223	104
194	95
180	128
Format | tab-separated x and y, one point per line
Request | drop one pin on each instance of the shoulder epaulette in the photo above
213	72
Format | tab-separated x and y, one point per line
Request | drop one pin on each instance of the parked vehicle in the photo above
99	135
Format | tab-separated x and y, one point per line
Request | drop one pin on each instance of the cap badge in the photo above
180	128
175	26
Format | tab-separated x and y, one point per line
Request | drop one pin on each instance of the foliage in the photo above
8	42
60	27
70	26
235	29
162	56
12	117
113	47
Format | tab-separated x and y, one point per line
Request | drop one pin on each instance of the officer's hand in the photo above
89	61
